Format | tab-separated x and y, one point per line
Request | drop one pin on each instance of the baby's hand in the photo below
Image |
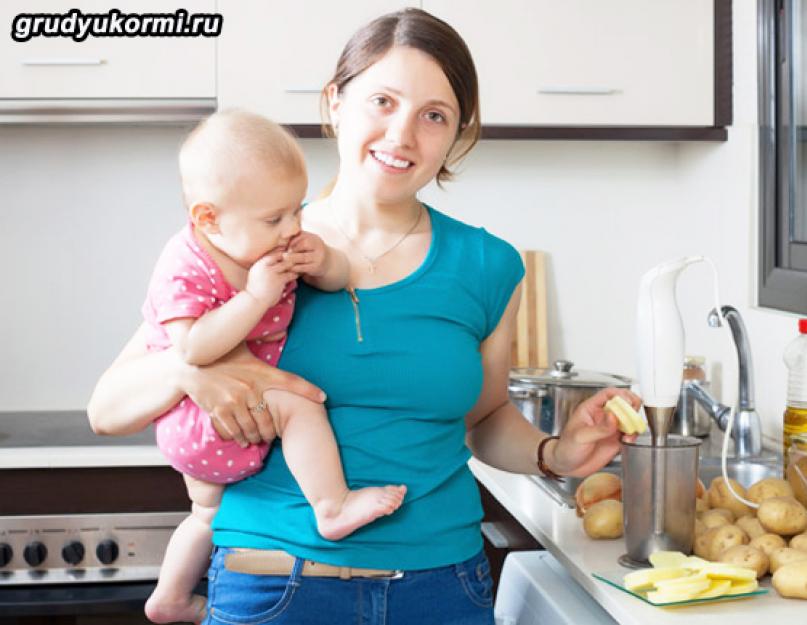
267	278
308	254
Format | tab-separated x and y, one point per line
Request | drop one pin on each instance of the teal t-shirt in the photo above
397	402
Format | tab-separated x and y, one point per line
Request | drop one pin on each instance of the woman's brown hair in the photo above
417	29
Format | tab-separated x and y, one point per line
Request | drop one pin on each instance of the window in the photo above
783	155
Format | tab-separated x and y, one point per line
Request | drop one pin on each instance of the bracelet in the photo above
547	472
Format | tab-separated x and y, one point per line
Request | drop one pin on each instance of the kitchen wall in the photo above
85	211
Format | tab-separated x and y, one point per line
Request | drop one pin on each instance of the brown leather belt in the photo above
266	562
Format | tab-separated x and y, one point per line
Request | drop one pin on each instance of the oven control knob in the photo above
73	552
6	553
107	551
35	553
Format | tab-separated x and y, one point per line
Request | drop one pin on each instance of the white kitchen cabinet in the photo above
584	63
106	67
275	57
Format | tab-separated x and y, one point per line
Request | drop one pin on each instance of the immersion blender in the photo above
660	351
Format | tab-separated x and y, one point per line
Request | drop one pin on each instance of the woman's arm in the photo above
136	389
499	435
140	386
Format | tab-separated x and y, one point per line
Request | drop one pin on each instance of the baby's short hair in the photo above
231	144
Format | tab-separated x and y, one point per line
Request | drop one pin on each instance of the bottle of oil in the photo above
795	421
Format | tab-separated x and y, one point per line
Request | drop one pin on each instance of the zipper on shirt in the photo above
355	301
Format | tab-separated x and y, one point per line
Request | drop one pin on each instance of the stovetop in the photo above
63	428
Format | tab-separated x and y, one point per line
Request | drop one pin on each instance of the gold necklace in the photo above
372	260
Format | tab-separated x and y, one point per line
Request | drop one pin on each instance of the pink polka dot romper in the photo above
187	283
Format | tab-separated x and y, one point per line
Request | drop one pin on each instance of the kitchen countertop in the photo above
49	439
560	531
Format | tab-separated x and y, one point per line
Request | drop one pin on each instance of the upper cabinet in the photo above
275	57
106	67
590	62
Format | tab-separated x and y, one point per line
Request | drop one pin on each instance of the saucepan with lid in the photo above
547	397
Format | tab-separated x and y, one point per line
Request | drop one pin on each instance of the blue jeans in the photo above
459	594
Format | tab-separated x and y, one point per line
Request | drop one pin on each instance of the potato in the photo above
715	518
724	538
604	519
700	528
703	543
797	481
700	490
720	497
782	515
701	505
784	556
791	580
597	487
799	541
769	487
768	543
748	557
751	526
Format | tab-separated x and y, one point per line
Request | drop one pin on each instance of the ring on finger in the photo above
259	408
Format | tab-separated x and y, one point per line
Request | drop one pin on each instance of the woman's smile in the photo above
391	162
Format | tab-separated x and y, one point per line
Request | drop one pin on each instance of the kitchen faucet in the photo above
746	431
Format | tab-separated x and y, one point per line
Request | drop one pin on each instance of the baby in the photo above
227	277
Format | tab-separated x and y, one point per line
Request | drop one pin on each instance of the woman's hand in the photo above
228	388
591	437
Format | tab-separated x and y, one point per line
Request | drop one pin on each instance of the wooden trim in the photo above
609	133
557	133
92	490
724	72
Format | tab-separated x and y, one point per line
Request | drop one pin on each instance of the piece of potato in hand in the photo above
630	421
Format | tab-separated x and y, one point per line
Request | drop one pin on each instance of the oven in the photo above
84	520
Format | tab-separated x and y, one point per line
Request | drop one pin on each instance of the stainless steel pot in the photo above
546	397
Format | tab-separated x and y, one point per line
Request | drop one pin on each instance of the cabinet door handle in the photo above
303	90
38	62
577	90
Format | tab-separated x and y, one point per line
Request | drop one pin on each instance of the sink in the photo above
746	472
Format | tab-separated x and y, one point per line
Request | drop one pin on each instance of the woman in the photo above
414	358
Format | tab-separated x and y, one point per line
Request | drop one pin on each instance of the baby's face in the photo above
261	215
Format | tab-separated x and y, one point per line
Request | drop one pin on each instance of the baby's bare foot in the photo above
164	610
336	520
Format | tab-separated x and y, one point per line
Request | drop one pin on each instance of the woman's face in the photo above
396	122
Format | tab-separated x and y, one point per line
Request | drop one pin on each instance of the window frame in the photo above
780	286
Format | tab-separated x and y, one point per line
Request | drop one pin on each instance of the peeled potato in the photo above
751	526
791	580
784	556
630	421
597	487
724	538
604	519
798	479
748	557
799	541
782	515
716	518
769	487
721	497
768	543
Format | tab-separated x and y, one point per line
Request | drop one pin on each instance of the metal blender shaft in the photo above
659	419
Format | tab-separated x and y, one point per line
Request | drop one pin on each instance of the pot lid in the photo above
563	373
